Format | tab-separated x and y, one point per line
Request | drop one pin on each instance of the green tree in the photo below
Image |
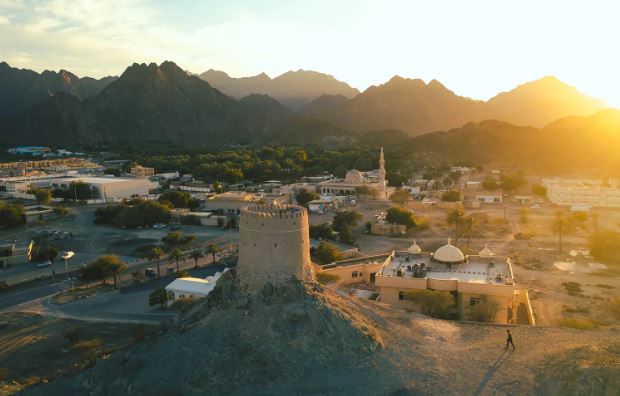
346	218
304	196
156	254
451	196
398	215
490	183
42	196
485	311
11	215
178	199
539	190
510	183
559	226
365	191
400	197
454	218
196	255
175	255
346	236
213	249
326	253
101	268
177	239
321	231
605	246
158	296
434	303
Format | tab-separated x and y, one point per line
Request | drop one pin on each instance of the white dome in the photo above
486	252
449	254
353	177
414	248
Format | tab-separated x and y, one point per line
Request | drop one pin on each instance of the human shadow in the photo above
491	371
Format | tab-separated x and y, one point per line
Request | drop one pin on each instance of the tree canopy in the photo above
400	197
398	215
451	196
304	196
326	253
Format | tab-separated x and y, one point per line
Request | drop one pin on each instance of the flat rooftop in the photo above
97	180
477	269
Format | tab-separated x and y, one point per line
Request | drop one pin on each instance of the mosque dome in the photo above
449	254
353	177
486	252
414	248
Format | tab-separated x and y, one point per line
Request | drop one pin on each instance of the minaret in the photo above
382	183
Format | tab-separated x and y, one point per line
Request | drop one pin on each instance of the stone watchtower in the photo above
274	245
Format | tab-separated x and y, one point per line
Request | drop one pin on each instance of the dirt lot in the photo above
35	348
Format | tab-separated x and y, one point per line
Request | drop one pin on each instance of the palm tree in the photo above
196	254
110	264
213	249
454	218
559	225
176	254
156	254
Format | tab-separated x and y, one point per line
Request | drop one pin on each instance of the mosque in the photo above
354	179
470	279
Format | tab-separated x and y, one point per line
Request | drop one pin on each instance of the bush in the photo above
321	231
345	219
572	288
578	323
400	197
88	346
182	274
433	303
134	214
11	215
326	253
304	196
484	311
158	296
398	215
324	278
605	246
178	199
613	308
451	196
604	286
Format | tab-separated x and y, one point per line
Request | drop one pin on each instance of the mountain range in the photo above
414	107
294	89
533	122
22	88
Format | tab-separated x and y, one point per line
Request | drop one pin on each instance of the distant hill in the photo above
322	104
293	89
415	107
569	143
165	104
22	88
149	102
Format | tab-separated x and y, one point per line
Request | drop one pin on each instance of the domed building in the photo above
354	179
470	279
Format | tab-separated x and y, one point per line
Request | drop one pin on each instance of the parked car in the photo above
67	255
150	272
160	225
44	264
4	325
175	228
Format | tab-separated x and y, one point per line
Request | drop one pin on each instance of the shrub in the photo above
613	308
451	196
182	274
325	278
579	323
572	288
326	253
433	303
484	311
604	286
304	196
321	231
88	346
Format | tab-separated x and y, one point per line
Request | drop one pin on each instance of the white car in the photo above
67	255
160	225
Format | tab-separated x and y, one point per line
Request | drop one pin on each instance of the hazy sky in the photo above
476	48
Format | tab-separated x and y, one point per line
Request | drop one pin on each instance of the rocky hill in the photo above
303	339
22	88
147	103
415	107
293	89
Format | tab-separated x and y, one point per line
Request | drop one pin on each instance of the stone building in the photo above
274	245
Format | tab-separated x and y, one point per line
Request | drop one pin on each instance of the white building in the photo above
190	288
107	188
583	192
489	197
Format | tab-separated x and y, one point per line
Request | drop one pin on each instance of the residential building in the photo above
583	192
192	288
141	171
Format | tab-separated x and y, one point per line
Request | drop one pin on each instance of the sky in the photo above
476	48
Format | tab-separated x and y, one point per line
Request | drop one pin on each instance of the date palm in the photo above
196	254
213	249
156	254
176	254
